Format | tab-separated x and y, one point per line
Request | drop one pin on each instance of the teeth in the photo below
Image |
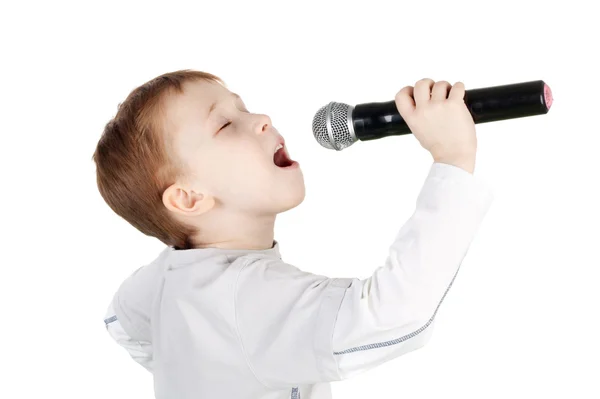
279	147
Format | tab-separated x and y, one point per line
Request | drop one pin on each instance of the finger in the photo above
440	91
457	93
405	102
423	91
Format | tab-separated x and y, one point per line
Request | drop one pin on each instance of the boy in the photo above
219	314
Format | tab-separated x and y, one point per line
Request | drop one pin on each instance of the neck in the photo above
236	231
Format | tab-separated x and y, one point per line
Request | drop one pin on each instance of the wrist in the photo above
465	162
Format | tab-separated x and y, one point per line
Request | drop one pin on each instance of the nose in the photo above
262	123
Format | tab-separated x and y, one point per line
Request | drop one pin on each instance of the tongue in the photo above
281	159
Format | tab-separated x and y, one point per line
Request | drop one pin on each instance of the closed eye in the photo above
225	125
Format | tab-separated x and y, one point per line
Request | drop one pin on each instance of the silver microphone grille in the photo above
332	126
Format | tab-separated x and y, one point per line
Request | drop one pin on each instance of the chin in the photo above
295	196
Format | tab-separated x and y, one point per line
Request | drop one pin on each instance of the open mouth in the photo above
281	157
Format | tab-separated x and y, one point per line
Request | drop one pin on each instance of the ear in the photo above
187	202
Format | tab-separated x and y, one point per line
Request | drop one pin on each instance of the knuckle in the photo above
403	92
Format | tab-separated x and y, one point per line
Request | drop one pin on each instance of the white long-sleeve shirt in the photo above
214	323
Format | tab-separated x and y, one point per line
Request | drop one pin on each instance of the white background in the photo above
521	320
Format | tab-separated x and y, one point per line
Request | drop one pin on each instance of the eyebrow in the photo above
214	105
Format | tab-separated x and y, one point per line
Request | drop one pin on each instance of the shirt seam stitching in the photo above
408	336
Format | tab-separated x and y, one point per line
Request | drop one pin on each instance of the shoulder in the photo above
269	268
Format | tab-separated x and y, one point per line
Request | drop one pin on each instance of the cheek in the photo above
239	168
247	157
250	172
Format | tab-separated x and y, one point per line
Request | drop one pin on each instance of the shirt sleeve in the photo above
140	351
300	328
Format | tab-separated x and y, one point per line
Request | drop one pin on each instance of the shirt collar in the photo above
181	256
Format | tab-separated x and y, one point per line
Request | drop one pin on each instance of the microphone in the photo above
337	126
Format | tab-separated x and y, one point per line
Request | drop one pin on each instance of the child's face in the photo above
230	152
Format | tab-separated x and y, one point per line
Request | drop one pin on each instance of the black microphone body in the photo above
376	120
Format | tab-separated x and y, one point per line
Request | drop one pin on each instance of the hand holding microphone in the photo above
337	125
436	114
